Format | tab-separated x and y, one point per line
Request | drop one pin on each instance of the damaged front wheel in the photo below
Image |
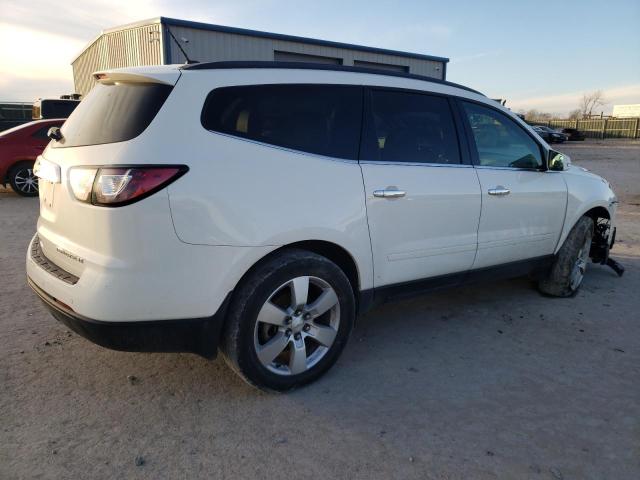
568	270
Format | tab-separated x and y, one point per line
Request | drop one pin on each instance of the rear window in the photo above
319	119
113	113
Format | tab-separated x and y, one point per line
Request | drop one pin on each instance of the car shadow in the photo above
419	343
441	378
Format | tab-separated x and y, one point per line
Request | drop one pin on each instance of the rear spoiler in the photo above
162	76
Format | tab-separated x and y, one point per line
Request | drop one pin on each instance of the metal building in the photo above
158	41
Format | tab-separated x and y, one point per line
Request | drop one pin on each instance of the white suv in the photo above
261	206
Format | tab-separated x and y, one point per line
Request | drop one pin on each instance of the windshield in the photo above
113	113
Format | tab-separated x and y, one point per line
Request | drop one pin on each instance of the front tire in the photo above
568	270
289	320
22	179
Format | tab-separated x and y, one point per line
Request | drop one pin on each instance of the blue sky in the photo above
540	55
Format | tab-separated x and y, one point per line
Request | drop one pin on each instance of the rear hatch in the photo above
106	129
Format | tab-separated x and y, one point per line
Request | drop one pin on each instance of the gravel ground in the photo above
486	381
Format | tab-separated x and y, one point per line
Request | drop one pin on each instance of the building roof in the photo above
260	34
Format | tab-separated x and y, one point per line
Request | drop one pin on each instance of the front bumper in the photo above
199	335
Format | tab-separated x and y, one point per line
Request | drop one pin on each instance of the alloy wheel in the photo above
297	325
26	181
580	265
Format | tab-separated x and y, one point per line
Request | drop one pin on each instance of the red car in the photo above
19	147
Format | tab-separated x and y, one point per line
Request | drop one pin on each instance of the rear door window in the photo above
410	127
320	119
113	113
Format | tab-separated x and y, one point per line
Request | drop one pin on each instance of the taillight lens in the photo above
81	180
118	186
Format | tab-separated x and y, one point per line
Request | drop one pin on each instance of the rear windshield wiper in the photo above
55	133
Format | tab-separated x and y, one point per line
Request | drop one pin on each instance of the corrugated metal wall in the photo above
210	46
122	48
144	45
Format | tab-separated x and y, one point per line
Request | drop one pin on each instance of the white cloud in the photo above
36	54
565	102
474	56
40	39
439	31
15	88
81	20
407	37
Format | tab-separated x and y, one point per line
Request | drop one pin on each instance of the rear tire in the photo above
22	179
288	321
568	270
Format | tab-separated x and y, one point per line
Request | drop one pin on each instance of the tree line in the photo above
586	107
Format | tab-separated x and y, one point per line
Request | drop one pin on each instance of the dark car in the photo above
573	134
13	114
48	108
549	134
19	147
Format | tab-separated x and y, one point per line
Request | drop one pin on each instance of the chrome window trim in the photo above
413	164
519	169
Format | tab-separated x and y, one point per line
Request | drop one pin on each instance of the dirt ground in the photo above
486	381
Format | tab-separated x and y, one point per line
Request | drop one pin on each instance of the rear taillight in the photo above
118	186
81	180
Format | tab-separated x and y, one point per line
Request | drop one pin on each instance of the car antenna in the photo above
189	61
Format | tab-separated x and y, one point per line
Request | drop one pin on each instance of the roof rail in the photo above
318	66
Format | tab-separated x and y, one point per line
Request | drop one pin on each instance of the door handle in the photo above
499	190
389	193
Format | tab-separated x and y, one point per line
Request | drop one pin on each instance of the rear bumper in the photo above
160	280
198	335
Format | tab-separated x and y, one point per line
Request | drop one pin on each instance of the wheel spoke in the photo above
299	291
25	181
580	266
323	334
273	348
272	314
298	360
325	301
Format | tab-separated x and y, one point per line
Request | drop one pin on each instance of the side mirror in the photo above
557	161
